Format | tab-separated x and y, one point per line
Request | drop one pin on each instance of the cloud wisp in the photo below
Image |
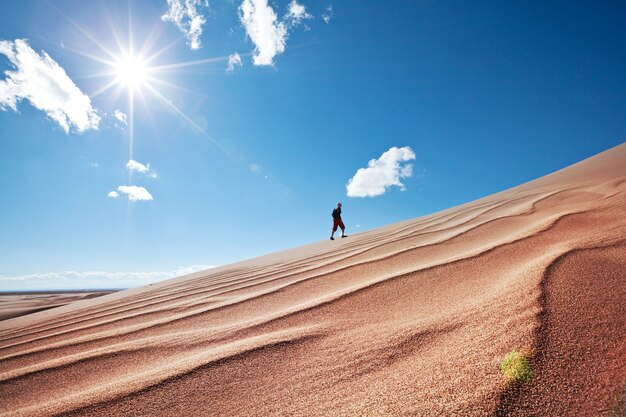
73	280
133	165
132	192
234	60
44	83
121	117
328	14
185	15
296	14
382	173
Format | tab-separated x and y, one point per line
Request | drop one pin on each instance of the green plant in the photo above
516	366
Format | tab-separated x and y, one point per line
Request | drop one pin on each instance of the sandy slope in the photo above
19	304
408	319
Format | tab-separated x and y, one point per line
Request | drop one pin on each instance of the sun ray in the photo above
161	51
188	119
92	57
84	32
94	75
190	63
131	124
131	46
145	104
115	95
120	46
175	86
104	88
149	43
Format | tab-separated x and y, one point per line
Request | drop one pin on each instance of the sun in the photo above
131	71
136	71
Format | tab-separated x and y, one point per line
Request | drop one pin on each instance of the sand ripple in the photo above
408	319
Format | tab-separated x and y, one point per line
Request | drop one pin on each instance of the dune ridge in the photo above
410	318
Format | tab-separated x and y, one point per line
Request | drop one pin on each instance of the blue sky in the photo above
454	101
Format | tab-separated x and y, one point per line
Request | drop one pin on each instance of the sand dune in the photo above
19	304
408	319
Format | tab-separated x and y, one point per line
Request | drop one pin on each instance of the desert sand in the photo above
22	303
409	319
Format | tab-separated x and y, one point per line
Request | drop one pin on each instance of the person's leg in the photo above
343	228
335	225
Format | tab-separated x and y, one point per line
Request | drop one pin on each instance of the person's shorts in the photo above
338	223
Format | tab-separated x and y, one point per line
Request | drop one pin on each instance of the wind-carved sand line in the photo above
329	298
171	369
255	278
234	276
283	277
134	328
157	341
448	216
544	260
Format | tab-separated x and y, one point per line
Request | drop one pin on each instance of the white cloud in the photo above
113	194
40	80
266	32
121	117
233	60
135	193
329	13
185	15
91	279
133	165
296	13
382	173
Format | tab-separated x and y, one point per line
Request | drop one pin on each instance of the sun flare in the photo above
131	71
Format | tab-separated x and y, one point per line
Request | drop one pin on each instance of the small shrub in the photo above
516	367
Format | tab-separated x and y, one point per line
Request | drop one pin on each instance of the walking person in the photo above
337	222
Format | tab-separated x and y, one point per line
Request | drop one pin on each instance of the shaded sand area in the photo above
408	319
15	304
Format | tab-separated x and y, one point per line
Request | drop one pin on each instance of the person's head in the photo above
338	205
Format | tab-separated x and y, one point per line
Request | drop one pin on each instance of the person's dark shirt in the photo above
337	213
